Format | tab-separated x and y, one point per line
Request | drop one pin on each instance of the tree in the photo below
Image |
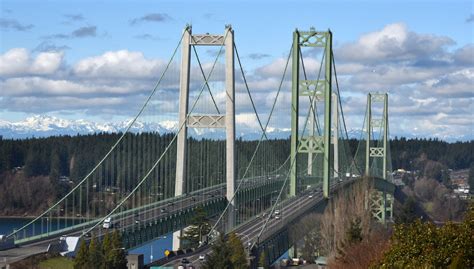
95	254
107	252
238	256
199	227
408	211
354	233
119	258
220	257
81	261
424	245
55	169
262	260
470	179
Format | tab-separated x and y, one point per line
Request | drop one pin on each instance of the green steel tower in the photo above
317	90
377	154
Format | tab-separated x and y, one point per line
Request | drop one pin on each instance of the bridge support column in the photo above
381	202
294	112
335	135
188	120
230	124
381	206
315	90
181	150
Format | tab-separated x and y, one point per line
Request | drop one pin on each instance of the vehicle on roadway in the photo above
107	223
202	257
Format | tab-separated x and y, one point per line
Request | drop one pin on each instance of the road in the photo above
248	232
140	217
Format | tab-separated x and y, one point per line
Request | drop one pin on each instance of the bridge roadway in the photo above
146	214
290	209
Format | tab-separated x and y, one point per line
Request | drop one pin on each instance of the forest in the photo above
36	171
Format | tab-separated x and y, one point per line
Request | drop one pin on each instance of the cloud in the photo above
429	80
18	61
152	17
258	56
38	86
394	43
74	17
470	18
49	46
34	104
122	63
147	37
86	31
274	69
465	55
9	24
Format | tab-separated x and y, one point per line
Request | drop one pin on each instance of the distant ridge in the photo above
45	126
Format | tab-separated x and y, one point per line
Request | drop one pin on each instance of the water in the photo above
7	225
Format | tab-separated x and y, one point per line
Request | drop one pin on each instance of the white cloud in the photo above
247	120
32	86
122	63
274	69
18	62
393	43
465	55
46	62
429	80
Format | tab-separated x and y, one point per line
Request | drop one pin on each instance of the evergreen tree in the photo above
199	227
220	257
81	261
95	254
238	256
408	211
55	169
470	179
119	259
107	253
262	260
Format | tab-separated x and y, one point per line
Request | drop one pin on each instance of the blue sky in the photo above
431	52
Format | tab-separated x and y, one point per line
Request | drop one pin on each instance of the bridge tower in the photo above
381	203
226	120
316	90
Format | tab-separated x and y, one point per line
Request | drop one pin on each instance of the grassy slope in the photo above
56	263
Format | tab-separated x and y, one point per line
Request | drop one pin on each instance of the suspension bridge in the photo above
149	184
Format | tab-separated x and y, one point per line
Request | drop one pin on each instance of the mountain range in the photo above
44	126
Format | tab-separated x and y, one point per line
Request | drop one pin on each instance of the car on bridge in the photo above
107	223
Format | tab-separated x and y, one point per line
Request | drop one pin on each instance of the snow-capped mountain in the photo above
44	126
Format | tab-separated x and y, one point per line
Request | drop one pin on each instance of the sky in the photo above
98	60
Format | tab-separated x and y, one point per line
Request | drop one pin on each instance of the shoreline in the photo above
33	217
16	217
